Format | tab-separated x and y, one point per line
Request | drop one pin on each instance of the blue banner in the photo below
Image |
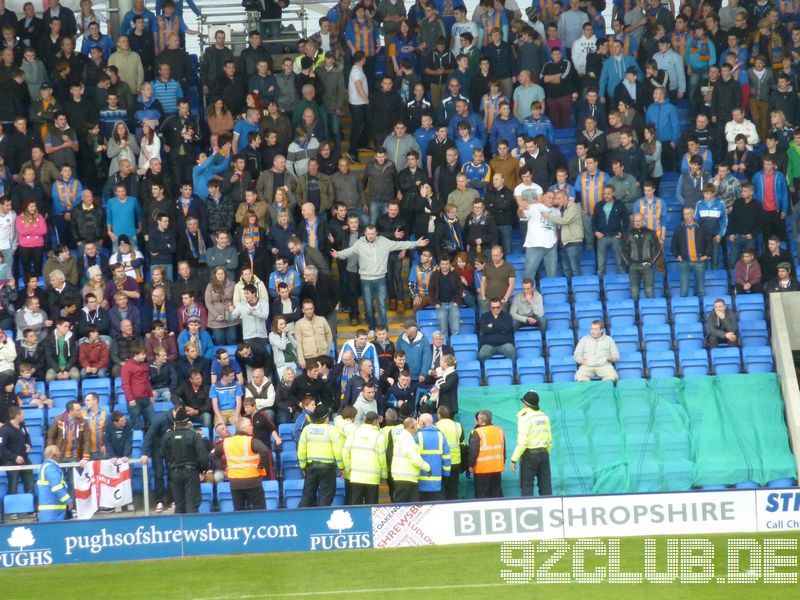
142	538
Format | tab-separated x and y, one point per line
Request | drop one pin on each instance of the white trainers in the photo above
160	507
118	509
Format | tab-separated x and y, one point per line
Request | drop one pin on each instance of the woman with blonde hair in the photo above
32	236
781	129
96	284
218	297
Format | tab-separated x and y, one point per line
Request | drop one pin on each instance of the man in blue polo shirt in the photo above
226	397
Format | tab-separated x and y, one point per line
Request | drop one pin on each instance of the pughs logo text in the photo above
20	539
339	522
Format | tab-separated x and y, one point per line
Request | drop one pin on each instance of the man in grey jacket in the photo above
399	143
349	190
527	307
334	95
380	182
373	251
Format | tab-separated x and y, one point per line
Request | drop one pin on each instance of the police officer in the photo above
364	456
487	457
320	455
407	462
186	454
454	434
151	449
345	425
54	497
534	441
436	452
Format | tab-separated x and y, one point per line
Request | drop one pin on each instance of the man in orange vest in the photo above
246	457
487	456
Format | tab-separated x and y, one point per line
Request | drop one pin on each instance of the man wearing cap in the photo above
666	58
320	454
186	454
783	282
614	71
534	442
246	458
631	90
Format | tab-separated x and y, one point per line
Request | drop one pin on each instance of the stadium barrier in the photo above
323	529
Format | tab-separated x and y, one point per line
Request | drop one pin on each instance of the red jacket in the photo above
93	355
136	380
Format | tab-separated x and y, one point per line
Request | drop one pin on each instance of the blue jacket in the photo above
478	127
617	221
303	419
541	126
707	157
418	354
54	497
202	173
690	189
465	149
712	216
167	94
118	442
780	188
205	341
505	130
436	452
423	136
665	117
612	73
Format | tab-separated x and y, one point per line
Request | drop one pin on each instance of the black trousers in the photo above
249	498
771	224
489	485
535	464
185	486
320	479
31	259
363	493
359	127
450	483
406	491
348	492
431	496
27	481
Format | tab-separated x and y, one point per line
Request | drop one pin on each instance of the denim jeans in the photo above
223	336
358	212
394	276
162	395
638	272
375	289
449	316
504	235
143	407
571	259
716	254
507	350
588	232
335	129
100	373
534	257
739	245
603	245
699	270
376	209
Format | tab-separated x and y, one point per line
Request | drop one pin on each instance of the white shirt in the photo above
7	225
528	193
325	38
353	97
455	35
541	231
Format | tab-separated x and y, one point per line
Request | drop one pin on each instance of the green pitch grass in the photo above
462	572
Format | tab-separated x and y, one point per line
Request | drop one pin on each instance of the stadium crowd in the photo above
204	256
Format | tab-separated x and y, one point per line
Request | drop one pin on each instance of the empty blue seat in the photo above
469	373
531	370
562	368
585	288
559	318
271	494
16	504
554	290
758	359
657	337
626	338
585	313
285	431
528	338
499	371
693	362
460	341
750	307
653	311
63	389
528	353
661	363
689	335
685	309
621	313
292	492
629	365
754	333
616	286
206	497
725	361
560	342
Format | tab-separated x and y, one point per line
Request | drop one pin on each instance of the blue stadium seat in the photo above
781	483
528	338
469	373
528	353
725	361
585	288
758	359
621	313
290	466
629	365
35	421
747	485
285	431
465	346
499	371
693	362
531	370
206	497
65	390
685	309
224	497
554	290
338	499
292	492
560	342
586	312
627	338
653	311
717	283
754	333
559	317
656	337
100	386
661	364
562	368
16	504
689	335
271	494
617	286
750	307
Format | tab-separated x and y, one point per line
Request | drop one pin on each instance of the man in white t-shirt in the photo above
541	238
525	194
358	98
462	25
8	233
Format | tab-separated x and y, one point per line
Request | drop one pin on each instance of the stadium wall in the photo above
323	529
784	313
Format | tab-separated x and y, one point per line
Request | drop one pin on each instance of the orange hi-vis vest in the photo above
491	453
242	461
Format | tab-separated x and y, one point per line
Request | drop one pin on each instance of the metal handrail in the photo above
231	17
72	465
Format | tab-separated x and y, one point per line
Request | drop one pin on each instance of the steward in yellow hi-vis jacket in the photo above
407	462
365	456
534	441
320	456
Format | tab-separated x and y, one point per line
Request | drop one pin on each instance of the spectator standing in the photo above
691	247
609	222
445	292
640	251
